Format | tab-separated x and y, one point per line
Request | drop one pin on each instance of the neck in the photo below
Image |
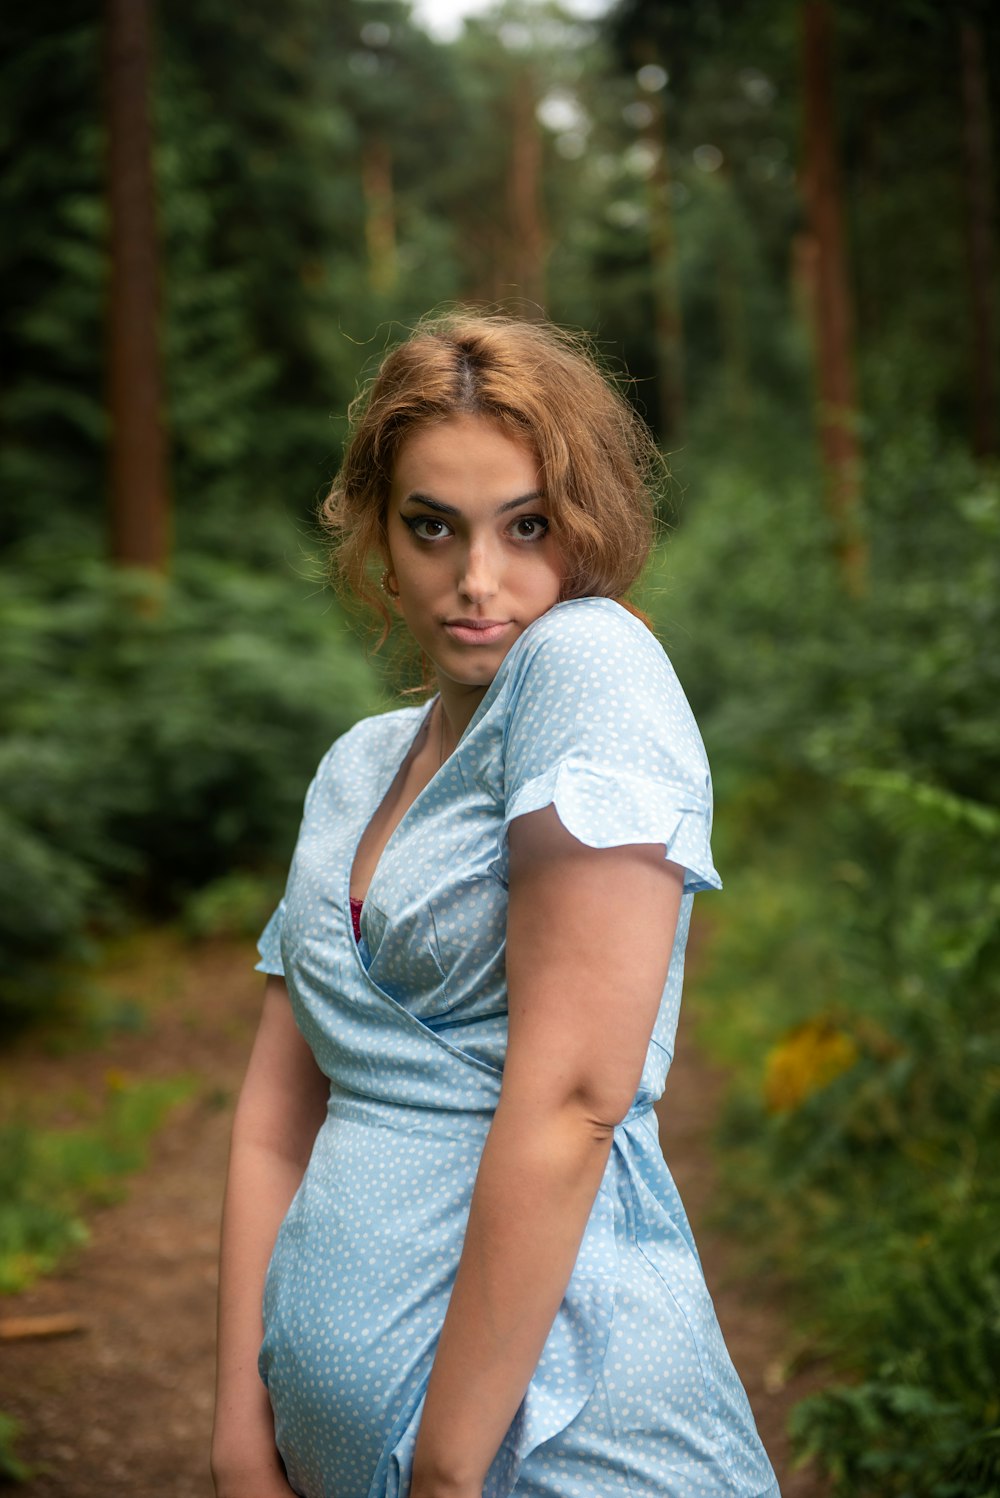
458	705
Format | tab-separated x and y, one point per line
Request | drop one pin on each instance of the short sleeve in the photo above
269	941
269	944
597	724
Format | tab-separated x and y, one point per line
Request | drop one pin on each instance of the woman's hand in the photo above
440	1474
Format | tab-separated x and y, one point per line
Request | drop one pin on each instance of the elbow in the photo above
585	1098
578	1112
599	1108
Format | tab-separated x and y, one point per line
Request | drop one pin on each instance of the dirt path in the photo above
125	1406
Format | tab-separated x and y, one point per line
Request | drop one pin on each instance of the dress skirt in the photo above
357	1291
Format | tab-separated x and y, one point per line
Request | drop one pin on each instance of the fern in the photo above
910	807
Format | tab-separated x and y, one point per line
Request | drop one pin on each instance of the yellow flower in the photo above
808	1058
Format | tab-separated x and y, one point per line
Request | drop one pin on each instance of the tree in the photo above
830	294
527	236
668	320
981	236
140	501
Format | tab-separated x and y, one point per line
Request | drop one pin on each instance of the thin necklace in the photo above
441	749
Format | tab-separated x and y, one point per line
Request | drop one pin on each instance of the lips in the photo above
476	631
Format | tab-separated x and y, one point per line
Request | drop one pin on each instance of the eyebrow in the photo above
438	504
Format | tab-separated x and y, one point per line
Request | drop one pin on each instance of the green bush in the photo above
235	905
155	740
12	1469
854	966
50	1176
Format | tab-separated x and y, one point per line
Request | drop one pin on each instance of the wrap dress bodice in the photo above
409	1023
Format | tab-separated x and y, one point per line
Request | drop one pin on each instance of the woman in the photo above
445	1182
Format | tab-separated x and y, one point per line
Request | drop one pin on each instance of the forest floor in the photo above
124	1405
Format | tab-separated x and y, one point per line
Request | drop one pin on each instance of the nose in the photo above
480	575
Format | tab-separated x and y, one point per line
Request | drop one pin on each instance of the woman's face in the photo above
469	545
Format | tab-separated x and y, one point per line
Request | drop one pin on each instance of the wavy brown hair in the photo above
539	384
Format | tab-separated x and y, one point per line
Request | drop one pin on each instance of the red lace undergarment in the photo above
356	916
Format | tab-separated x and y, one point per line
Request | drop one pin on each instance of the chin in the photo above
482	675
472	674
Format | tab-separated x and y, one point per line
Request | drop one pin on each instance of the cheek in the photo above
411	562
555	568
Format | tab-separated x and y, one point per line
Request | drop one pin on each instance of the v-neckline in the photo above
383	786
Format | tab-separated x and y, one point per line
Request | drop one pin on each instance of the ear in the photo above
389	584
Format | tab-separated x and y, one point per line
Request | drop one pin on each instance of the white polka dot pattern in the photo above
634	1393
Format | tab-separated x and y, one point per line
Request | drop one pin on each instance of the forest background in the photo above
779	217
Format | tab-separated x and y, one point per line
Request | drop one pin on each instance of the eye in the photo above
539	525
413	521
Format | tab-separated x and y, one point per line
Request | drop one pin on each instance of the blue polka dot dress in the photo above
634	1395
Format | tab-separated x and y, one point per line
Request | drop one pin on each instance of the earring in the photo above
385	583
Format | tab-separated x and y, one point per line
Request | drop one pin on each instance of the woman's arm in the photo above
589	937
281	1106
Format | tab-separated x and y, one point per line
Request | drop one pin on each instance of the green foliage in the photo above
12	1468
735	84
157	742
154	743
890	1437
235	905
52	422
854	973
269	310
50	1176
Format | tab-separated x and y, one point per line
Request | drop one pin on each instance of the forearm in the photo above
281	1108
260	1185
534	1191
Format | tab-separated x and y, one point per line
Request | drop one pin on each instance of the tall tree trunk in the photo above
733	328
380	217
981	237
668	328
140	489
832	309
524	197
